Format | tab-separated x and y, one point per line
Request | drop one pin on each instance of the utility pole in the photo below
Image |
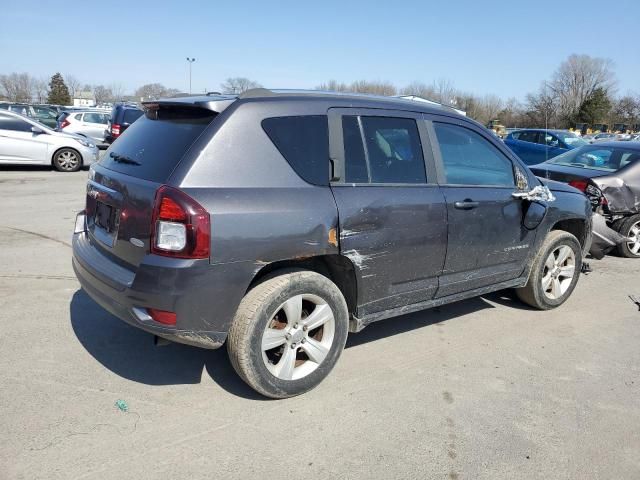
190	60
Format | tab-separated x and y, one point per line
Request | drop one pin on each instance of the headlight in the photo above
84	142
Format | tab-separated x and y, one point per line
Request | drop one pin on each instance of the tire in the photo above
630	228
67	160
271	344
558	284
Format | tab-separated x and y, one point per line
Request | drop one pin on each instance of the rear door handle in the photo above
466	205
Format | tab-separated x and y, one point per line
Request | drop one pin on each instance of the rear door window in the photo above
93	117
470	159
304	142
153	146
382	150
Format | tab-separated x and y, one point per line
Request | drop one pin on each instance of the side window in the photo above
78	116
470	159
14	124
356	169
93	117
529	136
304	142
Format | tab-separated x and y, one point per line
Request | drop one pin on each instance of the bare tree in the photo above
419	89
333	86
444	91
17	87
117	91
577	78
73	84
373	87
543	107
40	90
151	91
238	85
102	94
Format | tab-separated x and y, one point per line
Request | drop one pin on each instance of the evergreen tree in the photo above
58	91
595	108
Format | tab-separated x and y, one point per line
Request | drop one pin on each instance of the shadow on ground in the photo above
131	353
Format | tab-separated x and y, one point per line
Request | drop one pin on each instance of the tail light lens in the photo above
65	123
579	184
180	226
115	129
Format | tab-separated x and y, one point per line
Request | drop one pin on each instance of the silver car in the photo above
88	123
26	142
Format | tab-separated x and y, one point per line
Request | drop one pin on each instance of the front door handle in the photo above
467	204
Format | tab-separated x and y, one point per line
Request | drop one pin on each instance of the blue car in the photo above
535	146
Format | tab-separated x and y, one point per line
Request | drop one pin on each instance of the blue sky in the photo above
504	48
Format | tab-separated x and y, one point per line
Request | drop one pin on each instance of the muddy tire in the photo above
554	273
67	160
288	333
629	228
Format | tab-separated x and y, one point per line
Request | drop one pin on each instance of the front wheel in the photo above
554	273
288	333
67	160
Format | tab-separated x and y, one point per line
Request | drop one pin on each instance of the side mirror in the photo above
37	130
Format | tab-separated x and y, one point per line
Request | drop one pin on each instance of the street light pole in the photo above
190	60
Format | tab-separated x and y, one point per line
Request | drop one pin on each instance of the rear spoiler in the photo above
214	103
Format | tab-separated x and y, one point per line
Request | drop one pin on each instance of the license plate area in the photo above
105	221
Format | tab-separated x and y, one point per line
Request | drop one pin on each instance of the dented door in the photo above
392	220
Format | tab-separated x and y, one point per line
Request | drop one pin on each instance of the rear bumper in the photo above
205	297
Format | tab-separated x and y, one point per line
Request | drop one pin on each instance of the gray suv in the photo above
279	221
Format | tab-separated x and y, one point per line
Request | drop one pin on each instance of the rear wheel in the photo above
554	273
67	160
630	228
288	333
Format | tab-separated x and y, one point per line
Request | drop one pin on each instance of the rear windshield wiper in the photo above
123	159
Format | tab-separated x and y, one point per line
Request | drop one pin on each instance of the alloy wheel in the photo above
633	243
298	337
67	160
559	269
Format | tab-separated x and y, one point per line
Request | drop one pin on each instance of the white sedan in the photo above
26	142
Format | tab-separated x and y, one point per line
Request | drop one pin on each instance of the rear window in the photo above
154	145
131	115
304	142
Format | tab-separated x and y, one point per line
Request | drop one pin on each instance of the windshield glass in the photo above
571	139
607	159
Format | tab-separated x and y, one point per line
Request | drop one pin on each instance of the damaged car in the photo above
609	175
277	222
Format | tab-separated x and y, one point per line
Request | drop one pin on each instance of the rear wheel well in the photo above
575	226
336	268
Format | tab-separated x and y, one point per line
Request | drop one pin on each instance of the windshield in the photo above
607	159
571	139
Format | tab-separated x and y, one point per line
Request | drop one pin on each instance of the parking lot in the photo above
485	388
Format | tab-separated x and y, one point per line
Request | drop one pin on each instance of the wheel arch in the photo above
337	268
578	227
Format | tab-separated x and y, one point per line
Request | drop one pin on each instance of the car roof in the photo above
617	144
218	103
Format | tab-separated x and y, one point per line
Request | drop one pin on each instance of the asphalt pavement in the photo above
481	389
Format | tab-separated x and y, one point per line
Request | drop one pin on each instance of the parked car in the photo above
278	221
24	141
122	116
88	123
44	115
603	137
609	174
537	145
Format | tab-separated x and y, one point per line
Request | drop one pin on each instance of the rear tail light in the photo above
162	316
579	184
65	123
115	129
180	226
